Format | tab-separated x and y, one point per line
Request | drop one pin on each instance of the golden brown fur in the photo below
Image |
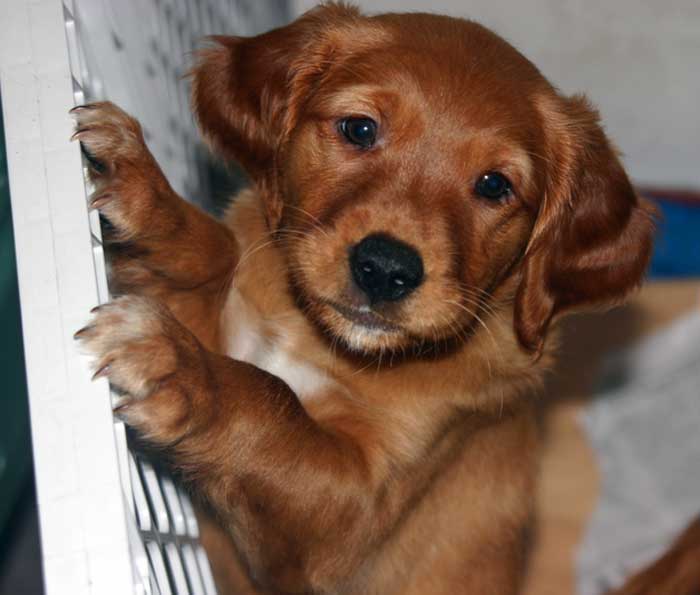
347	447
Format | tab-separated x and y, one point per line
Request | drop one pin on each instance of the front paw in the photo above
129	185
148	357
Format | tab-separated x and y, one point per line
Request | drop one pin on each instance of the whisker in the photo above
316	222
251	252
497	347
254	247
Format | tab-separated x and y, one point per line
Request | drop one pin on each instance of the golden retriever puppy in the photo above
341	367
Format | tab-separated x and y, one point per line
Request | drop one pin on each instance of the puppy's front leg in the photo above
287	489
158	244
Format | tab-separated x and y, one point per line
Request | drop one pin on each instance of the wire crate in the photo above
110	522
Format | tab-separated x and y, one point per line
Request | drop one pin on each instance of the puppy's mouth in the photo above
365	317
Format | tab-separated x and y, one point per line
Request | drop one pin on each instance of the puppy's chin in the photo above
366	331
361	329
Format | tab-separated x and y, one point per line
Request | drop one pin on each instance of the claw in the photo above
121	408
78	108
101	372
99	201
80	334
96	309
78	132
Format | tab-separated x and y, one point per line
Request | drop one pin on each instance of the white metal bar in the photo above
81	508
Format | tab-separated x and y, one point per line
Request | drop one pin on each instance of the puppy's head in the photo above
422	173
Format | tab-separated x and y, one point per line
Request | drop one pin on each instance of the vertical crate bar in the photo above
82	512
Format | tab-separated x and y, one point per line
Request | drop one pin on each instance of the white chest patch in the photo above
245	341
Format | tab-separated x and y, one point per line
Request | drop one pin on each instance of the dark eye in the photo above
493	185
359	131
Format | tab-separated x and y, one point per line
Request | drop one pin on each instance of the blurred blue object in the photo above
677	246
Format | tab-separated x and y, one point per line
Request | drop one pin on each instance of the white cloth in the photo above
644	426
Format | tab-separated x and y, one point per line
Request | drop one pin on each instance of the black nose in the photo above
386	269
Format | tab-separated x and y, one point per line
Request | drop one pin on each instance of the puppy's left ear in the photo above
593	237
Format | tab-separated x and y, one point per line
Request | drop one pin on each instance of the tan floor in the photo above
569	482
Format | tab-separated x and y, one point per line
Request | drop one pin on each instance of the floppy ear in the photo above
593	237
247	93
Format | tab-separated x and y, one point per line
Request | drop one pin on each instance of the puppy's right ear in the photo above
247	93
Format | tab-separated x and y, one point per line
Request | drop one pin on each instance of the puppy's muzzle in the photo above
385	269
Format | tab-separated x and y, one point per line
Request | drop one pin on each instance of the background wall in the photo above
638	60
